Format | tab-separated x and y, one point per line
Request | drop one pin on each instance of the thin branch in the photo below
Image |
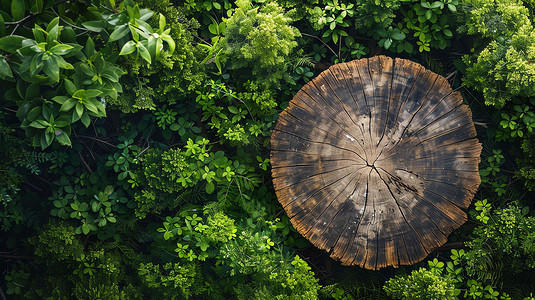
19	21
86	165
72	25
313	36
98	140
15	256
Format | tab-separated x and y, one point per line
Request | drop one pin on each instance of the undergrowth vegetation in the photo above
135	145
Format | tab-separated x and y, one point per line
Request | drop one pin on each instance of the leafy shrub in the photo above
503	69
420	284
260	37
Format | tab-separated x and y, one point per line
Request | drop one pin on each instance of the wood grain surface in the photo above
374	161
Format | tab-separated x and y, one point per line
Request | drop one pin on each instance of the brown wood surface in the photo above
374	161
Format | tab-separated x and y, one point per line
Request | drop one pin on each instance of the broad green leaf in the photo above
64	139
69	86
52	24
85	119
79	108
92	93
61	49
2	26
169	42
5	70
36	64
398	36
210	187
161	23
11	43
17	9
89	47
53	35
144	52
85	229
62	63
95	26
388	43
67	105
39	124
51	69
128	48
119	32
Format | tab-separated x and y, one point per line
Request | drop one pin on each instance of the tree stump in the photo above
374	161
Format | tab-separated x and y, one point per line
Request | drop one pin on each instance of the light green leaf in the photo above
144	53
61	49
119	32
128	48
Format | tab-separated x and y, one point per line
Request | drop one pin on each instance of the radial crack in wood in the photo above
374	161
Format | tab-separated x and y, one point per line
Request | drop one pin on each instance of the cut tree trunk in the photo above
374	161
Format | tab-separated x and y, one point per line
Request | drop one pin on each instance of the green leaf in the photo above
210	187
144	53
95	26
119	32
161	23
51	69
11	43
85	119
92	93
79	108
67	105
61	49
64	139
36	64
53	34
128	48
448	33
17	9
85	228
89	47
5	70
2	26
398	36
169	42
388	43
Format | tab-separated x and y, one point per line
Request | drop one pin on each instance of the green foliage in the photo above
259	39
59	240
176	73
420	284
171	280
295	282
47	63
508	235
377	13
506	60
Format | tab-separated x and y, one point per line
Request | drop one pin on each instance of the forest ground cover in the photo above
135	146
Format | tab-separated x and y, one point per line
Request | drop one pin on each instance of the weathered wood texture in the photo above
374	161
